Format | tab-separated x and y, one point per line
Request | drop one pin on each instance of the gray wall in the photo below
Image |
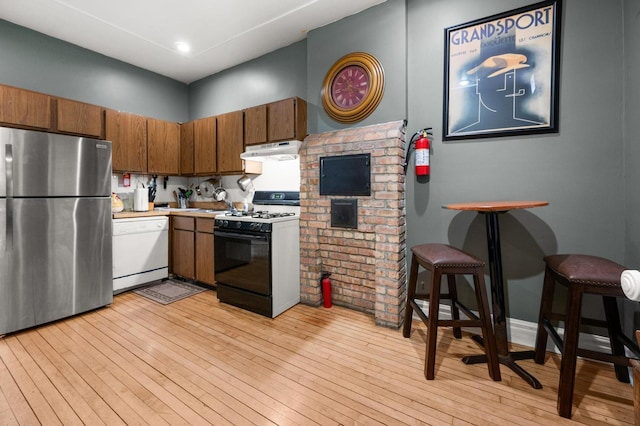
31	60
632	146
632	128
278	75
379	31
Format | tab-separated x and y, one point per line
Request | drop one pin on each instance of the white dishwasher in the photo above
140	251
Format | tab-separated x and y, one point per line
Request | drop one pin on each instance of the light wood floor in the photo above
197	361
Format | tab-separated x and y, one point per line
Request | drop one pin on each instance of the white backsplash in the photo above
276	176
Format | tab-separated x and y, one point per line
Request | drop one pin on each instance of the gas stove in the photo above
257	255
272	207
259	214
254	221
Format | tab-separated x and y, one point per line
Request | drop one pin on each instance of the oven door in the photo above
243	261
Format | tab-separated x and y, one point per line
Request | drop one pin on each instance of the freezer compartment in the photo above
55	257
38	164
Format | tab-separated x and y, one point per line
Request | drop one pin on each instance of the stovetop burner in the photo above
262	214
270	215
237	213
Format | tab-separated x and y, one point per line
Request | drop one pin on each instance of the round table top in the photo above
496	206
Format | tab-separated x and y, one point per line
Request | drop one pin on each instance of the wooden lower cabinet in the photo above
183	247
204	251
192	248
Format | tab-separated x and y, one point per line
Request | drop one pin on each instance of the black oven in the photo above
242	263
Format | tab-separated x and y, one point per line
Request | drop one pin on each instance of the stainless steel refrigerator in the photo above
55	227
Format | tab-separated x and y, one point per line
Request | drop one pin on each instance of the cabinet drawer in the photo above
204	225
186	223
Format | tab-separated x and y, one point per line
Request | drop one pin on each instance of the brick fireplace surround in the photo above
367	264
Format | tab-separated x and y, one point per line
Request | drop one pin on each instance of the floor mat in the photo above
169	291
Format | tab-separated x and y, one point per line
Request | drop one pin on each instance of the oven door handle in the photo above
240	236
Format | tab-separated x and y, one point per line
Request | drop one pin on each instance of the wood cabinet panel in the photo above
204	225
204	251
182	253
23	108
128	134
287	119
79	118
230	141
255	125
186	148
163	147
183	222
205	146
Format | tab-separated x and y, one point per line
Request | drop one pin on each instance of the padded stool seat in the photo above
442	259
581	274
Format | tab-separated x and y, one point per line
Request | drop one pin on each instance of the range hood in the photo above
276	151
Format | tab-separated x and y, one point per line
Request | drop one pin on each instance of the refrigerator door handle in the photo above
8	162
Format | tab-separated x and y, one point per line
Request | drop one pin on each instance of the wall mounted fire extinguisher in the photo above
420	140
326	289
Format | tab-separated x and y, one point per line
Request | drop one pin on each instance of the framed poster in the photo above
501	74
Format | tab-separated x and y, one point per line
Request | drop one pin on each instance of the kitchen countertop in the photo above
190	213
207	210
124	215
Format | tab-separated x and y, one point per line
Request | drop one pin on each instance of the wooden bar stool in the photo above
442	259
581	274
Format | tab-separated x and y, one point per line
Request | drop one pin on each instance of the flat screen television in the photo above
345	175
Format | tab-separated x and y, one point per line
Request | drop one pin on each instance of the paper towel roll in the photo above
140	200
630	281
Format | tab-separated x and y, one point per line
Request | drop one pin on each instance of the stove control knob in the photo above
225	223
238	224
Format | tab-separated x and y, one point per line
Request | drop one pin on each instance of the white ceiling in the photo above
222	33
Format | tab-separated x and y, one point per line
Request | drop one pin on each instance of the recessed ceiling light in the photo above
183	47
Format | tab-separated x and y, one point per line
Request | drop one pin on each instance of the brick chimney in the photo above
367	263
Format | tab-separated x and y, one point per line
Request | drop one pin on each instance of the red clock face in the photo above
350	87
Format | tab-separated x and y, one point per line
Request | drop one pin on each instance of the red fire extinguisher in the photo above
422	155
326	289
420	140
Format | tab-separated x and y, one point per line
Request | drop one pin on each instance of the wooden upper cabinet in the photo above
128	134
163	147
276	121
255	125
204	146
230	142
79	118
23	108
287	120
186	148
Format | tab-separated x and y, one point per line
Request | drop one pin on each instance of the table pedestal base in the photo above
509	360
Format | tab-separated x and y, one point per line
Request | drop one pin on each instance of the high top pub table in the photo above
491	210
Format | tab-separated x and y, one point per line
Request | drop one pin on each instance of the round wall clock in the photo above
353	87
